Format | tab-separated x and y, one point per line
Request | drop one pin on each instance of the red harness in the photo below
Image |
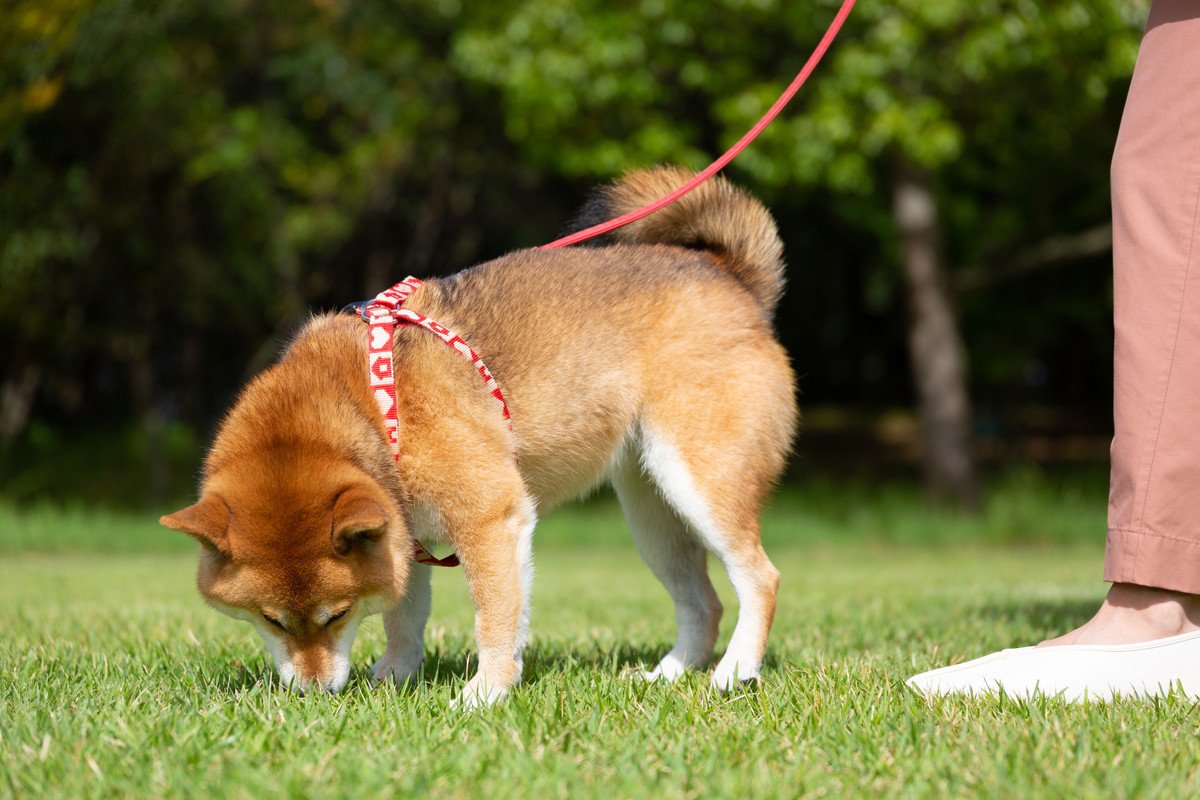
384	313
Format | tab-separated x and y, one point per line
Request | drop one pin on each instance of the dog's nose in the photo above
306	685
331	684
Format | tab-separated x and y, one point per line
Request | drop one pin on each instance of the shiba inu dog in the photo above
647	360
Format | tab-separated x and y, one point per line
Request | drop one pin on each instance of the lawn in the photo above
115	680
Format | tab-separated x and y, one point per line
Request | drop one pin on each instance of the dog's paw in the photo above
478	693
669	670
730	674
399	668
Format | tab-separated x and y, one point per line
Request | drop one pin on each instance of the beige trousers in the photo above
1154	492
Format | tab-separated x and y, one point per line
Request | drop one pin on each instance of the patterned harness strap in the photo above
383	314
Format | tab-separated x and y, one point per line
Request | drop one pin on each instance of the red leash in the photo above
715	167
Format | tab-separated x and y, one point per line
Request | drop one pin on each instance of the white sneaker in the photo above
1075	672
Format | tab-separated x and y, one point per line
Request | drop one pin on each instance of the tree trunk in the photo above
17	391
935	344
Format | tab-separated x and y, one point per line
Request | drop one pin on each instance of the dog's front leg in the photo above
497	561
405	628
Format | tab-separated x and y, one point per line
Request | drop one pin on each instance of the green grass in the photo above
115	680
1024	507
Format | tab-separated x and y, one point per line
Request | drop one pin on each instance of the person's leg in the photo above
1153	548
1154	505
1153	545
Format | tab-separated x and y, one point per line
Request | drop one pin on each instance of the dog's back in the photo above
589	342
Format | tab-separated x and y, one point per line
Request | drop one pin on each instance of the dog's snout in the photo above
313	663
304	679
315	685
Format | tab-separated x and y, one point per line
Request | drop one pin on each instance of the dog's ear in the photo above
207	522
358	518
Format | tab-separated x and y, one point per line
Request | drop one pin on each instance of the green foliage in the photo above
1024	507
591	87
940	81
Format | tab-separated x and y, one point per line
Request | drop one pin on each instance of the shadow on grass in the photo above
1050	616
442	668
541	662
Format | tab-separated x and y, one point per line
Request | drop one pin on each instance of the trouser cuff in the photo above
1150	559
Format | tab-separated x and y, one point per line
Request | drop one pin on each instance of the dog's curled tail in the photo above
717	217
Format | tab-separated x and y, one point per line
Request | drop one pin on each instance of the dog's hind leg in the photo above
726	520
405	628
715	433
679	560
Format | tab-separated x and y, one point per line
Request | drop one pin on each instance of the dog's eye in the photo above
337	616
274	622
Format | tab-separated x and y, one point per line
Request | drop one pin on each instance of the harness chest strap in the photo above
383	314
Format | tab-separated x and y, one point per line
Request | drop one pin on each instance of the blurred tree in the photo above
916	95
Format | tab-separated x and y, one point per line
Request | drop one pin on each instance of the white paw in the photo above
669	670
478	693
399	668
731	673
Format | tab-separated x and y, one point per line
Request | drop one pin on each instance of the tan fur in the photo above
597	349
715	216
